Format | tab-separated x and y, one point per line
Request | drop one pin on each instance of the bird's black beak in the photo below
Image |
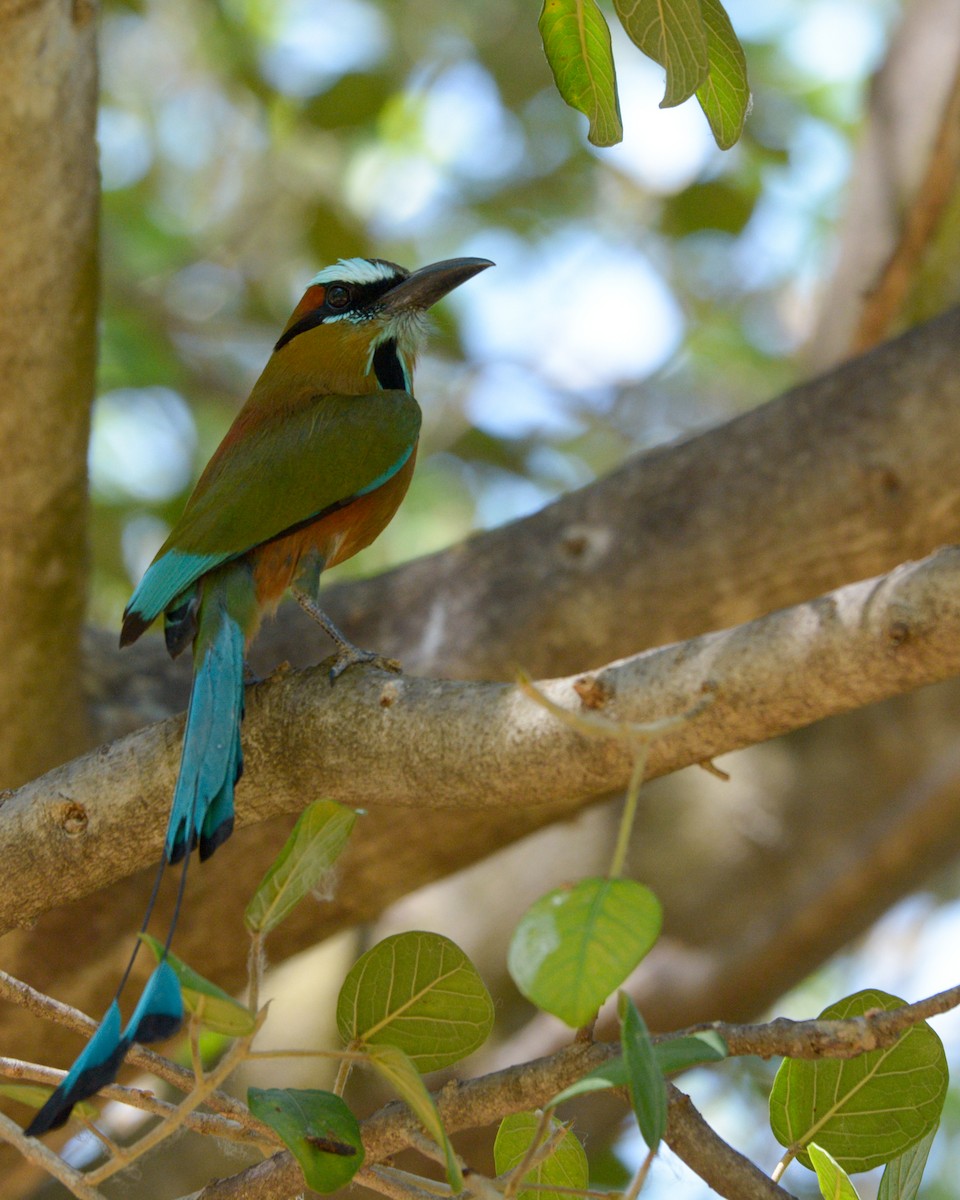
425	287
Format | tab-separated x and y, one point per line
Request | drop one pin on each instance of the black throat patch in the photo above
387	366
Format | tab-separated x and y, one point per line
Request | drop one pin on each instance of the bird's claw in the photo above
349	655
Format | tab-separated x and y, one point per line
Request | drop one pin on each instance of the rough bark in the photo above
48	214
481	748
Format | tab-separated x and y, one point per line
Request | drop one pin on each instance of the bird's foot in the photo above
348	655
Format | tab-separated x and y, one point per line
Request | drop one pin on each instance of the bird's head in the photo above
360	322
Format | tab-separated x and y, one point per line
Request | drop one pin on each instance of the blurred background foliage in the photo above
641	292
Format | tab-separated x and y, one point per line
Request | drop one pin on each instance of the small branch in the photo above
831	1039
886	297
48	1009
37	1153
203	1089
640	1178
478	1102
211	1124
727	1172
399	1185
515	1177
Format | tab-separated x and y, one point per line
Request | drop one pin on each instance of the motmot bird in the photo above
311	471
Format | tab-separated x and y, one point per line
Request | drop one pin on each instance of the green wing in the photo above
291	468
265	479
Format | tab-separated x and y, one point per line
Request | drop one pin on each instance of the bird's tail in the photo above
211	762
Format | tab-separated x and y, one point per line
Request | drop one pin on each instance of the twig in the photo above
726	1171
36	1152
45	1007
886	297
537	1152
846	1038
637	734
203	1089
515	1177
399	1185
641	1177
210	1124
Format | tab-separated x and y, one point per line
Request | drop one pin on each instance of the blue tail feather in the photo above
159	1013
211	760
97	1066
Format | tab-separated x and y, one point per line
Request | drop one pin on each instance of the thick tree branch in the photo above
379	740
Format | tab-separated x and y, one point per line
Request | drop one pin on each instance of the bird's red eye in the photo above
338	296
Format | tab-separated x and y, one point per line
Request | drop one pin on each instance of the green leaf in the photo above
576	41
35	1095
400	1073
648	1092
867	1110
418	991
576	945
835	1183
672	33
565	1167
314	844
317	1128
213	1007
672	1056
679	1054
901	1176
724	94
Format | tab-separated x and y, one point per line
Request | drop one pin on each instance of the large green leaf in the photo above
565	1167
214	1008
420	992
864	1111
314	845
317	1128
576	40
648	1092
672	33
398	1070
724	94
576	945
835	1183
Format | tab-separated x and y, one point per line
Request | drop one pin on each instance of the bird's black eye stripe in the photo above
343	299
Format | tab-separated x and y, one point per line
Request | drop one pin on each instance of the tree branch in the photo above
478	1103
378	740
